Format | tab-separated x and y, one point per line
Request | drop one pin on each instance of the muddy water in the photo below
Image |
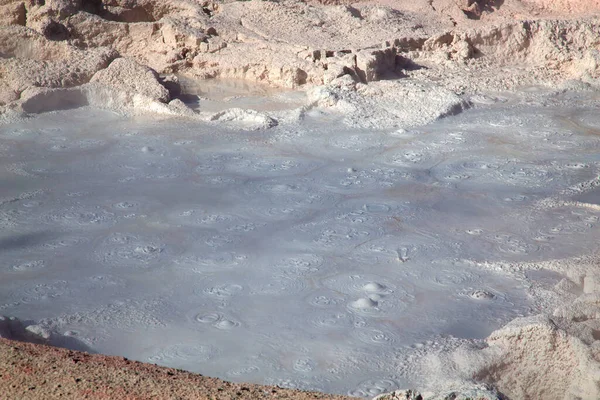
308	256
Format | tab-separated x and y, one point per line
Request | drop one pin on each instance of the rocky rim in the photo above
62	53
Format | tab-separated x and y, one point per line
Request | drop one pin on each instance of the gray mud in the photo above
312	256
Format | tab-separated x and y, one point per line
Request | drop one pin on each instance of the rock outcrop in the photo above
129	76
59	44
536	347
387	104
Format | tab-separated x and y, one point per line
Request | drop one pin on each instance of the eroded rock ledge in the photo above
49	46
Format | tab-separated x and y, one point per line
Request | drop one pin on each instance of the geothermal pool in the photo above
308	255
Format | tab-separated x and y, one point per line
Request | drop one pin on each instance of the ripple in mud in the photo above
355	142
213	262
481	294
568	227
463	170
88	335
80	217
219	241
126	205
376	337
332	321
221	181
367	211
83	144
474	231
223	260
358	217
511	244
526	175
42	292
226	324
65	242
374	387
517	198
298	194
304	364
216	320
324	299
223	291
360	180
29	266
274	212
209	318
243	371
269	166
12	218
182	352
125	250
280	284
455	277
201	218
387	249
277	188
341	237
359	283
299	265
104	281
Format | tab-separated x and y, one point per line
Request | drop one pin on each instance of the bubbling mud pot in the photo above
320	257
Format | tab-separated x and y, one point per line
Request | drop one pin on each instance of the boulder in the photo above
540	360
127	75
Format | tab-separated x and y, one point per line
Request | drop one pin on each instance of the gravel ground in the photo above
32	371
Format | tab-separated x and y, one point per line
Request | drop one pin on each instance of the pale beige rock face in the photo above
63	43
387	104
34	61
565	6
536	347
129	76
12	14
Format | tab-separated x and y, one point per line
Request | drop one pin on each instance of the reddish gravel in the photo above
33	371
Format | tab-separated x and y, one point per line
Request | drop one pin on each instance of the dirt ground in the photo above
33	371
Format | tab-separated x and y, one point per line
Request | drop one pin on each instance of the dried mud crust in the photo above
32	371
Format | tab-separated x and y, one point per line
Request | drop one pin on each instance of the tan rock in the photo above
127	75
35	61
387	104
459	43
375	64
13	14
540	360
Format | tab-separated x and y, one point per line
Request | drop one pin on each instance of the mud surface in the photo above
309	257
